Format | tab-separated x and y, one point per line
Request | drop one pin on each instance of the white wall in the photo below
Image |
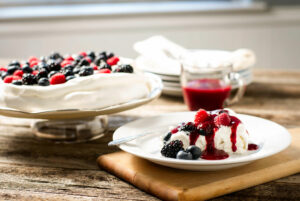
273	35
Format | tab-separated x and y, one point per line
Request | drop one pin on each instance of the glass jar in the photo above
210	88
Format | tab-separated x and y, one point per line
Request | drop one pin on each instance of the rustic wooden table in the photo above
39	170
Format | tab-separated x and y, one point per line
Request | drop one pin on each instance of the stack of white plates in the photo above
171	76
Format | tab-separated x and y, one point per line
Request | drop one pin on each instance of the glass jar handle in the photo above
236	78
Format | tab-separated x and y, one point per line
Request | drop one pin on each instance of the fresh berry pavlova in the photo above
213	135
82	81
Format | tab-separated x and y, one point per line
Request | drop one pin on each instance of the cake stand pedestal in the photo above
70	130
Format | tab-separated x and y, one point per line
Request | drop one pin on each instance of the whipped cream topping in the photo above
90	92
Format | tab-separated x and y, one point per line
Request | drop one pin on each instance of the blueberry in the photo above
26	69
168	136
103	54
85	71
14	63
29	79
76	70
52	73
104	65
41	74
53	65
68	72
43	65
4	74
184	155
17	82
195	151
124	68
43	82
70	77
12	69
69	67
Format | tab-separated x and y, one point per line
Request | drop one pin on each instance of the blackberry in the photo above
17	82
12	69
29	79
26	69
55	55
124	68
167	136
171	149
190	127
104	65
41	74
110	55
52	73
85	71
43	81
84	62
92	55
70	77
53	65
14	63
99	59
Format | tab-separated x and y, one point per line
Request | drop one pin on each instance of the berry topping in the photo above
52	73
85	71
26	69
55	55
70	77
12	69
104	71
184	155
53	65
190	127
3	69
29	79
35	72
104	65
167	136
84	54
222	119
43	81
84	62
17	82
42	73
14	63
195	151
8	79
171	149
112	61
91	54
207	127
124	68
58	78
18	73
200	117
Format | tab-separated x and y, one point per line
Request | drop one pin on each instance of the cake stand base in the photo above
70	131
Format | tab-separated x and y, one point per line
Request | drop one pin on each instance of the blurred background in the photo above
38	27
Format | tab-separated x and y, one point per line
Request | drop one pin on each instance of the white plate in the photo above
271	138
156	89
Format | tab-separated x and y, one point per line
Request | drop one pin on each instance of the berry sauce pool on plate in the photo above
208	94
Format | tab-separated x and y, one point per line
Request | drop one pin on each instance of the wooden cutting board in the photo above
173	184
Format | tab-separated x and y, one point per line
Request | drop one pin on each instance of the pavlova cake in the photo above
82	81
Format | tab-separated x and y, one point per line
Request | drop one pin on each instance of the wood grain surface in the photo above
31	169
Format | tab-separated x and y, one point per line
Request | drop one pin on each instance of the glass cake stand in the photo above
79	125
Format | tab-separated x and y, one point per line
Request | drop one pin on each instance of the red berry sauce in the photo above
252	147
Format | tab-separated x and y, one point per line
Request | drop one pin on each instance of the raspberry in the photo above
3	69
58	78
112	61
104	71
10	78
33	63
88	59
31	59
69	58
200	117
65	63
35	72
222	119
95	67
18	73
84	54
171	149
